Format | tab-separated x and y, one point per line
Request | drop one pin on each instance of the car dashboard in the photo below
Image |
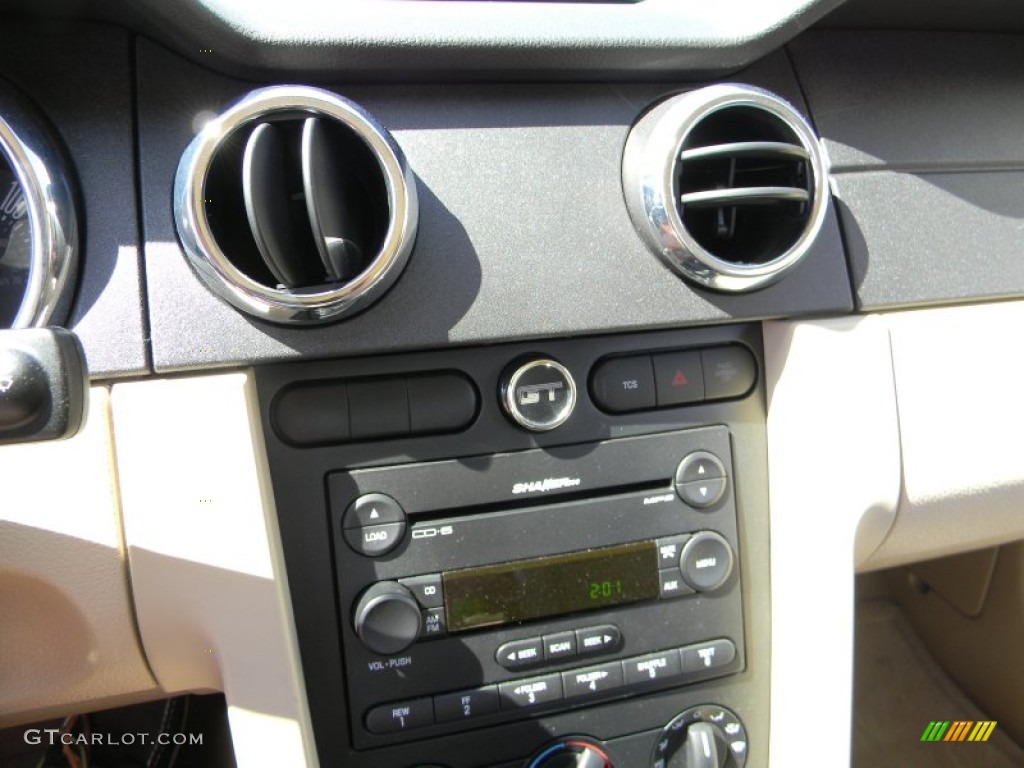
508	384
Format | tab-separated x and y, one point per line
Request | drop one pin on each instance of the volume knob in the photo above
387	618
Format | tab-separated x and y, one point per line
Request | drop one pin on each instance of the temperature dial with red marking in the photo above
572	753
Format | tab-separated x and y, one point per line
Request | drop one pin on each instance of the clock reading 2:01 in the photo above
604	590
555	585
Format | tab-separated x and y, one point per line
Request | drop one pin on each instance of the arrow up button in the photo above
701	479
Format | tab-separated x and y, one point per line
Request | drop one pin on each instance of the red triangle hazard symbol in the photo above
680	380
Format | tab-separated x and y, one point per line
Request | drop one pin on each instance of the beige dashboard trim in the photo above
67	630
959	378
834	476
201	530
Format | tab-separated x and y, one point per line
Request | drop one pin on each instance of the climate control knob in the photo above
387	618
572	753
707	736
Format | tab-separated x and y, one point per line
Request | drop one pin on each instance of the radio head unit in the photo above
503	591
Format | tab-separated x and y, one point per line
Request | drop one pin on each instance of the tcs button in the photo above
539	395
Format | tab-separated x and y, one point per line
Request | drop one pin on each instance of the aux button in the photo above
538	394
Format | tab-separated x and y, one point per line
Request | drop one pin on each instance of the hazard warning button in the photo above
678	378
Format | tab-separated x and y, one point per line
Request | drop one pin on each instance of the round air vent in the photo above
38	229
727	184
295	206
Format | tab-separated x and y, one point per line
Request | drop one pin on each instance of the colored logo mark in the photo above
958	730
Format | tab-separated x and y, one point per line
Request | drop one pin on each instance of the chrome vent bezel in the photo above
38	163
281	305
649	172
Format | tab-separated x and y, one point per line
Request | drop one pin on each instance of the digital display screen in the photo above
550	586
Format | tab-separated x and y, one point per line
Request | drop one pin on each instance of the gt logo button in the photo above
538	394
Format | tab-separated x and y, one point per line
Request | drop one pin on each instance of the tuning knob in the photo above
572	753
387	618
707	736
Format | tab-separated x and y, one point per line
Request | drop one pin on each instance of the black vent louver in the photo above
726	184
744	185
296	206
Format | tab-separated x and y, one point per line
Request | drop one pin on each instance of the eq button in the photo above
521	653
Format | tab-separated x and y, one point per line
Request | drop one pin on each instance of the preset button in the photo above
655	666
466	704
531	692
401	716
592	680
706	656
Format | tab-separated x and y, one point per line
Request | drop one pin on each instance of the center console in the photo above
544	554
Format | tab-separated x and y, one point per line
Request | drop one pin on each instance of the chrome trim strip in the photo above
651	190
294	306
38	164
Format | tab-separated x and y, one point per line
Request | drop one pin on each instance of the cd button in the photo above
531	692
655	666
394	718
592	680
521	653
466	704
426	589
672	584
710	655
559	646
601	639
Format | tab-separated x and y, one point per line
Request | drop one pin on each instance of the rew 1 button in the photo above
538	395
